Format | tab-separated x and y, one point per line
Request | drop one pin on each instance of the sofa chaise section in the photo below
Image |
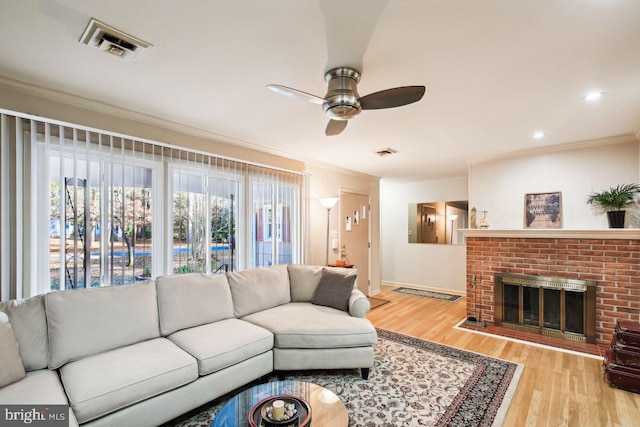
311	336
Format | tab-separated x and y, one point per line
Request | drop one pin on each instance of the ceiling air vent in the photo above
386	152
108	39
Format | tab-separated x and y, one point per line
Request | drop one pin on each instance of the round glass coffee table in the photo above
326	407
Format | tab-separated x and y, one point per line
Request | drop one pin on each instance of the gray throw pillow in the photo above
334	290
11	367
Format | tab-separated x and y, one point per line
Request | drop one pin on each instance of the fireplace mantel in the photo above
556	233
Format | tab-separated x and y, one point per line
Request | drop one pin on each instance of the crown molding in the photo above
611	140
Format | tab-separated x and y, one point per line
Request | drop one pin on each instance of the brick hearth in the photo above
614	263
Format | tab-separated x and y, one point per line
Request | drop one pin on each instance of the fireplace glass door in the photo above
530	306
552	306
574	312
511	304
552	309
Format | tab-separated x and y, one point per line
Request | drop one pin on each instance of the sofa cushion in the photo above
334	290
303	280
11	367
304	325
259	289
109	381
188	300
83	322
29	323
221	344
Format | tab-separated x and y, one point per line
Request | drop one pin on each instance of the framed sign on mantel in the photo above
543	210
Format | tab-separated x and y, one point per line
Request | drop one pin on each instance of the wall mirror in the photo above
438	222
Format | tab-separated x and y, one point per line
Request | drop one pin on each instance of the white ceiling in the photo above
495	71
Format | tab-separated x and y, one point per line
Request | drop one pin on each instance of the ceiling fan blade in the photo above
296	94
335	127
390	98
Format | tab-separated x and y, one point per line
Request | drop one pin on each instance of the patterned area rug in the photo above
427	294
414	382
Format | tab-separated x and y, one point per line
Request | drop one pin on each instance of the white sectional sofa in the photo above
144	354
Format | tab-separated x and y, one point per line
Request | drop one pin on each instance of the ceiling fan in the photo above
342	101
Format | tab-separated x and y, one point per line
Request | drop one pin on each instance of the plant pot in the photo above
616	219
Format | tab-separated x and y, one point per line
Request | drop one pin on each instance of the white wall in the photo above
418	264
498	186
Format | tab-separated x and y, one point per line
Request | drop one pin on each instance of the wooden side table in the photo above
343	266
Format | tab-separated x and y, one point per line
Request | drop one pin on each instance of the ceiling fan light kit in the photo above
342	101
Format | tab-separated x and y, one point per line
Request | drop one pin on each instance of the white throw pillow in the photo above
11	367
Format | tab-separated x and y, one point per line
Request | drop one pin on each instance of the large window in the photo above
205	215
99	209
274	205
100	223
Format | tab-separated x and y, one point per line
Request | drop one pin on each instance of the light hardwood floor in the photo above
556	388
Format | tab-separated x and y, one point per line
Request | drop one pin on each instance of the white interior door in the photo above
354	234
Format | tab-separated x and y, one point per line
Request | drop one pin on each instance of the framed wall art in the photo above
543	210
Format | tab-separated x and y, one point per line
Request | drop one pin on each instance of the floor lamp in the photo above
329	203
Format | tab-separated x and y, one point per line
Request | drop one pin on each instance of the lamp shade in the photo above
453	217
329	202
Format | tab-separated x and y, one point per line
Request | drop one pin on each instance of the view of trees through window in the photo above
204	223
99	235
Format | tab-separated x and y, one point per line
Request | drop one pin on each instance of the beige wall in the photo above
324	180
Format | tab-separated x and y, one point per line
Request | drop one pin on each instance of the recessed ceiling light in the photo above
539	135
592	96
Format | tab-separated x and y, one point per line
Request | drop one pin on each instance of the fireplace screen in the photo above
551	306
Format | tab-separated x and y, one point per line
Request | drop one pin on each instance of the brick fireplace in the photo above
611	258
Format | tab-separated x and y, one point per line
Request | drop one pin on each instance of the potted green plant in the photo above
613	201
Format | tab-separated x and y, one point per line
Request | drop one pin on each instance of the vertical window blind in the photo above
84	208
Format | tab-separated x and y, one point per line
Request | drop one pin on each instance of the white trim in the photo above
609	233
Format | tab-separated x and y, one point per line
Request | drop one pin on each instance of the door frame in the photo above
342	215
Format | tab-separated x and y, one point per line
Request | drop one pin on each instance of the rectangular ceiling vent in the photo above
386	152
108	39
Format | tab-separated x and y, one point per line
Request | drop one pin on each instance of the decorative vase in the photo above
616	219
472	221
